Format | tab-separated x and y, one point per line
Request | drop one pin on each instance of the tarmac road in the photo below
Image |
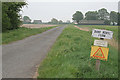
20	58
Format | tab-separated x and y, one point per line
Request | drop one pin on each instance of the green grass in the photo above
21	33
70	58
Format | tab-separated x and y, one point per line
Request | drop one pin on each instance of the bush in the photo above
10	15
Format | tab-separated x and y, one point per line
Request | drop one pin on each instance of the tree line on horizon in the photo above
27	20
101	14
11	18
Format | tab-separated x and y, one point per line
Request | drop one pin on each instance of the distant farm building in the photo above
37	21
26	21
92	22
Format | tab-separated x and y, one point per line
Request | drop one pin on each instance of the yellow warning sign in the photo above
99	53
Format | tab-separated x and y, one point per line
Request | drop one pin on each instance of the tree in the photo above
11	16
103	14
113	17
107	22
91	15
54	21
5	19
26	20
77	16
118	18
60	22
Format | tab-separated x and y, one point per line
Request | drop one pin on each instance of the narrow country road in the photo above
20	58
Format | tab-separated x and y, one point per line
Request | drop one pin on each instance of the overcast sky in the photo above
45	10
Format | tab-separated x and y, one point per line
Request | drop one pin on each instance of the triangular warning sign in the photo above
99	53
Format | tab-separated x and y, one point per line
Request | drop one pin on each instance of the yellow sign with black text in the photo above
99	53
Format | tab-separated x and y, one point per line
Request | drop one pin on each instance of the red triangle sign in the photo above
99	53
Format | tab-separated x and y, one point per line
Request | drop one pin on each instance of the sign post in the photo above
98	61
97	64
100	51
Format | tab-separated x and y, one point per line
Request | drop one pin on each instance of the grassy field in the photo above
70	58
21	33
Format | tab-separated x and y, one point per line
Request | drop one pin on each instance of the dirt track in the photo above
84	29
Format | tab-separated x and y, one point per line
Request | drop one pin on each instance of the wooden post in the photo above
97	64
98	61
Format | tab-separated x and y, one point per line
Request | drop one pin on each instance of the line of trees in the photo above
11	19
101	14
55	21
27	20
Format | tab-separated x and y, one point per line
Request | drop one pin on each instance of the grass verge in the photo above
70	58
21	33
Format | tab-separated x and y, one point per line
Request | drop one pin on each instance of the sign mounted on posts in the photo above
100	51
102	33
101	43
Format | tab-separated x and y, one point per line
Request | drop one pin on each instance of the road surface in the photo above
19	59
